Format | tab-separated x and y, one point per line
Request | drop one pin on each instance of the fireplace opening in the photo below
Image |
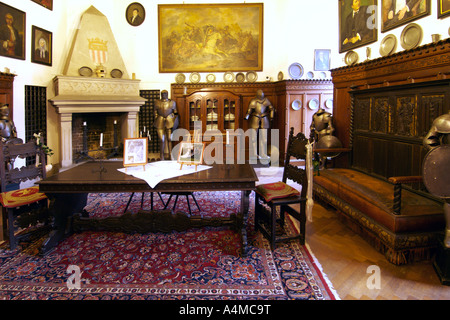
96	127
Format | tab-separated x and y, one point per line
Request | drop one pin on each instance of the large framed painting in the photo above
12	32
396	13
45	3
210	37
358	24
41	46
443	8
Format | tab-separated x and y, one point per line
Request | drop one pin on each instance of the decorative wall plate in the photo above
310	75
296	104
228	77
411	36
116	73
351	58
240	77
280	76
329	103
388	45
210	78
85	71
180	78
296	70
194	77
313	104
251	76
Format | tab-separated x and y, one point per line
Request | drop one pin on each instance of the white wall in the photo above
292	30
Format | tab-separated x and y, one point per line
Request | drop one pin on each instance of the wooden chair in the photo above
142	201
23	207
272	196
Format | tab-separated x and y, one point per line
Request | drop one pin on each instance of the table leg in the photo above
63	207
245	202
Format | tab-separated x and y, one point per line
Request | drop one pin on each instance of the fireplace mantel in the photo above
94	95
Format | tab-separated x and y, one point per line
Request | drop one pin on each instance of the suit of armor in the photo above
321	125
166	120
260	114
7	127
439	134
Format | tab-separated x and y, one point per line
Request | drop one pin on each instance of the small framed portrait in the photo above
12	32
41	46
191	153
135	152
45	3
322	59
358	24
135	14
443	8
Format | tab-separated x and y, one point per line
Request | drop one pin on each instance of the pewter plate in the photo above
411	36
210	78
228	77
240	77
180	78
296	70
251	76
85	71
310	75
280	76
388	45
116	73
351	58
329	103
194	77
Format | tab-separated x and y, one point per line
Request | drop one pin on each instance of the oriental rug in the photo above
198	264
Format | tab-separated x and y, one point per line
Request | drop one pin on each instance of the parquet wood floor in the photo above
345	257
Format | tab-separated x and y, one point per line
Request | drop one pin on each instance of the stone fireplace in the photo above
79	95
104	95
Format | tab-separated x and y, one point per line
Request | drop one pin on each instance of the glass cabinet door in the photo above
195	112
229	111
212	114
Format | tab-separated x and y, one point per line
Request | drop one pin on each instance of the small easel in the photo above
197	148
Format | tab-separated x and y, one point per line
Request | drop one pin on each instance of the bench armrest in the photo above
398	181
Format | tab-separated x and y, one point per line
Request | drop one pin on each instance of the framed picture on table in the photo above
135	152
191	153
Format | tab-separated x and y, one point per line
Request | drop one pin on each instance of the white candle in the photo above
84	123
115	121
101	139
228	137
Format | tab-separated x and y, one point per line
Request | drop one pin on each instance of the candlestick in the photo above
101	139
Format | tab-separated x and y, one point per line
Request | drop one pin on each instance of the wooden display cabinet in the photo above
6	91
217	110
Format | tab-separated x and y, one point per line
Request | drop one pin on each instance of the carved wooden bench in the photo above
401	224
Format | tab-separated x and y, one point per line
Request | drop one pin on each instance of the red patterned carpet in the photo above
196	264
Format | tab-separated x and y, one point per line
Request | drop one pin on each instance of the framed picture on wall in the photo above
443	8
45	3
41	46
210	37
135	14
396	13
322	59
12	32
357	23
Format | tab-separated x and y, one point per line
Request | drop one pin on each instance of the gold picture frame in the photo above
135	152
391	18
210	37
41	46
359	29
191	153
443	8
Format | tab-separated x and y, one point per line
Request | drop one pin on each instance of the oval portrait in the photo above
135	14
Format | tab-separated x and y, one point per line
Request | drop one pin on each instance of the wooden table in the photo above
69	190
